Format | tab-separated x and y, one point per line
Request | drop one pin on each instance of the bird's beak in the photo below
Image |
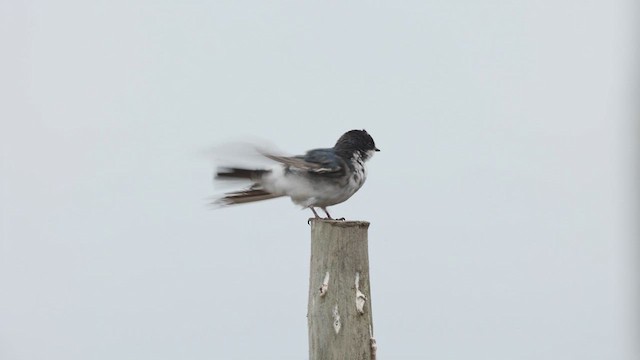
377	149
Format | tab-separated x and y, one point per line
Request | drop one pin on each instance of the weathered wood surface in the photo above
339	310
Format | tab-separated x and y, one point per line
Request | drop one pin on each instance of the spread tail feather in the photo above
245	196
254	193
225	173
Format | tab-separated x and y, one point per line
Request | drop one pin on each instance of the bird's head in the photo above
357	141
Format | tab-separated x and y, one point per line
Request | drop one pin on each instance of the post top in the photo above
340	223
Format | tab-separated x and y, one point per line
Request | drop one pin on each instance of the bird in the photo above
318	179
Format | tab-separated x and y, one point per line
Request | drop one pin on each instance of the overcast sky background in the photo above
501	205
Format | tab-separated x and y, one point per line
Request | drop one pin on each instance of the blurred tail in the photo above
254	193
245	196
239	174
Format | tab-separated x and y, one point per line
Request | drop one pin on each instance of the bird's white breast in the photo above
359	173
305	192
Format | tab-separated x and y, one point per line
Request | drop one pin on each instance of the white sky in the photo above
502	202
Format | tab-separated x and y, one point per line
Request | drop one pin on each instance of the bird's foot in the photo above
326	212
315	214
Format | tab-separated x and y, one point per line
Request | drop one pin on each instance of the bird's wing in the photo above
325	160
319	161
293	161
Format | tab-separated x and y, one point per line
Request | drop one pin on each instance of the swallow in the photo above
318	179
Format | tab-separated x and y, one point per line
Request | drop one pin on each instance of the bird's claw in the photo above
321	218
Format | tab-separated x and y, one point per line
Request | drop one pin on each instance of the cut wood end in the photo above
339	223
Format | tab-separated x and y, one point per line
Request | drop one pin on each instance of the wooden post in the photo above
339	311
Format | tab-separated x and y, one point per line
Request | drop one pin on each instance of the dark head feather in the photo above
356	140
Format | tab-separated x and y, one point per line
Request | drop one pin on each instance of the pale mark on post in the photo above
360	297
374	346
336	319
325	285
